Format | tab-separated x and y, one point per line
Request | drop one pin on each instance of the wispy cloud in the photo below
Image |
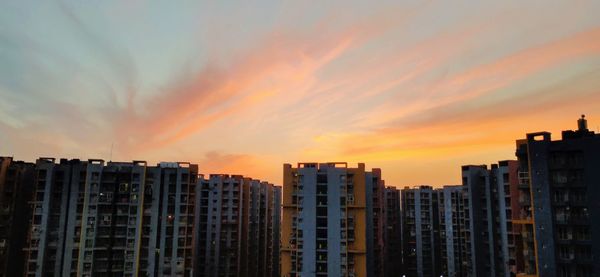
397	85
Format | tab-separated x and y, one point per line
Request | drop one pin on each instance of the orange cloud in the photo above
458	131
215	162
490	77
275	66
218	93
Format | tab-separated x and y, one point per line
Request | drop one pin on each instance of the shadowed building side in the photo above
563	183
238	233
16	186
393	233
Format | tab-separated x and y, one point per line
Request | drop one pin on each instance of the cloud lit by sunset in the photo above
413	88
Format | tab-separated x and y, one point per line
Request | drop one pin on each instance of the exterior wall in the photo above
289	222
515	239
541	193
254	253
493	203
563	179
505	196
481	261
452	221
324	220
375	192
276	245
221	215
177	232
524	219
421	237
45	236
260	259
237	228
91	218
126	219
393	232
16	185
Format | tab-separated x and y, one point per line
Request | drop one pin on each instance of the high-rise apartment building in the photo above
420	232
462	230
263	231
480	240
492	197
393	232
453	222
238	224
16	179
324	220
506	208
435	227
376	247
116	219
278	194
223	208
563	183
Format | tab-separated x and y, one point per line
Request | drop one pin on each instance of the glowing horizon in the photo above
415	88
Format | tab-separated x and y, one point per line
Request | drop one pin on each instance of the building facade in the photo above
421	232
263	257
16	187
324	221
223	206
481	256
277	210
524	220
563	182
393	232
505	197
492	201
92	218
453	231
376	219
238	223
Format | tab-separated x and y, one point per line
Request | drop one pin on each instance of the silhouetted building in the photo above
376	245
493	197
324	220
480	241
421	232
16	185
116	219
238	223
563	178
393	232
264	205
278	194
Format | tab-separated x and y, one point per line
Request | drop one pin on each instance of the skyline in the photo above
410	88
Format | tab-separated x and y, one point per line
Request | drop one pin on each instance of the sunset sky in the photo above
416	88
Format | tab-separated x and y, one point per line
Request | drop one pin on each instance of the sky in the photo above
416	88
